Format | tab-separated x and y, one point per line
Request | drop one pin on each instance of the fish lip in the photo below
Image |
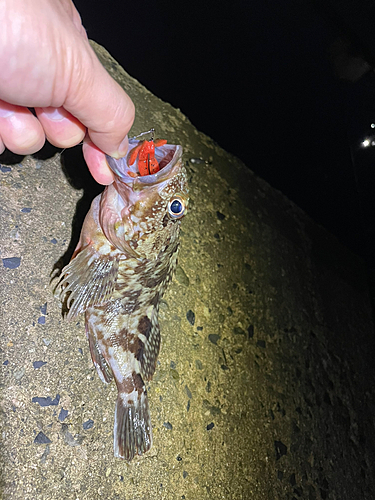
120	166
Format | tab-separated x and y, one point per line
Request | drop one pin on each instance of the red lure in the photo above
145	151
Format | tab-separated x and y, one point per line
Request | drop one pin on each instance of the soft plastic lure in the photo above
145	152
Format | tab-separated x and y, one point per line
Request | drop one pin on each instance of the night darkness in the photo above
257	78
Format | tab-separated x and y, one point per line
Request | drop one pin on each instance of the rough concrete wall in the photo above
263	388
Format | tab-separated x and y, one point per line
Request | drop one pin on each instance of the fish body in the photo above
124	260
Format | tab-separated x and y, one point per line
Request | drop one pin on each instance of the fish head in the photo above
140	215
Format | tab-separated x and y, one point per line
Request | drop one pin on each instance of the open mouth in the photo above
147	170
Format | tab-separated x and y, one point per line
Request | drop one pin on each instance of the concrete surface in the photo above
264	387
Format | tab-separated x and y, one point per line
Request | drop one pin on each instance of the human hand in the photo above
47	64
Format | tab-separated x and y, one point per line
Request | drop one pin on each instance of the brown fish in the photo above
120	269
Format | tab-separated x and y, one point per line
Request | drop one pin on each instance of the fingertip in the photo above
20	131
97	163
61	127
122	149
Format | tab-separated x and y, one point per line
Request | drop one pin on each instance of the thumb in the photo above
100	104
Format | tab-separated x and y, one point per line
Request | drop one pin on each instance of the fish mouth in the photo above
167	156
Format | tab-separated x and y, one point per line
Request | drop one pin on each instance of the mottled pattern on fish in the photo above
120	270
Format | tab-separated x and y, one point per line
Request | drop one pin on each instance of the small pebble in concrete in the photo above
54	241
220	216
63	414
280	449
6	362
18	373
250	331
43	309
41	438
199	328
11	262
42	320
214	337
26	210
89	424
187	390
178	458
188	405
224	367
184	474
168	425
68	437
190	316
48	401
38	364
198	364
181	276
5	169
46	452
172	365
210	426
238	331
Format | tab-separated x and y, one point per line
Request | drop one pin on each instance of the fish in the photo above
119	271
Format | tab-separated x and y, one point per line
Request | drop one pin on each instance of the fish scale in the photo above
122	265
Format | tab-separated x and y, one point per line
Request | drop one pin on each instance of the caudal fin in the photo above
132	430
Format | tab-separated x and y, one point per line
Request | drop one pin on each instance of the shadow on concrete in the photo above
79	177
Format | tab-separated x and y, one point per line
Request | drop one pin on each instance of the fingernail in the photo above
5	112
122	150
54	114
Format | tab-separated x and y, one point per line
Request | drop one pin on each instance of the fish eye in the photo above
176	207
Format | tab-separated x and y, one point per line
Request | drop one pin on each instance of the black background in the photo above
256	77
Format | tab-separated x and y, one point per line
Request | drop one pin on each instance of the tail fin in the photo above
132	430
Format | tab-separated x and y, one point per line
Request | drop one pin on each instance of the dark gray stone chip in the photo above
89	424
214	337
190	316
38	364
63	414
41	438
48	401
11	262
280	449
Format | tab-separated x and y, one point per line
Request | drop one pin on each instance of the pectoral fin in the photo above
88	280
